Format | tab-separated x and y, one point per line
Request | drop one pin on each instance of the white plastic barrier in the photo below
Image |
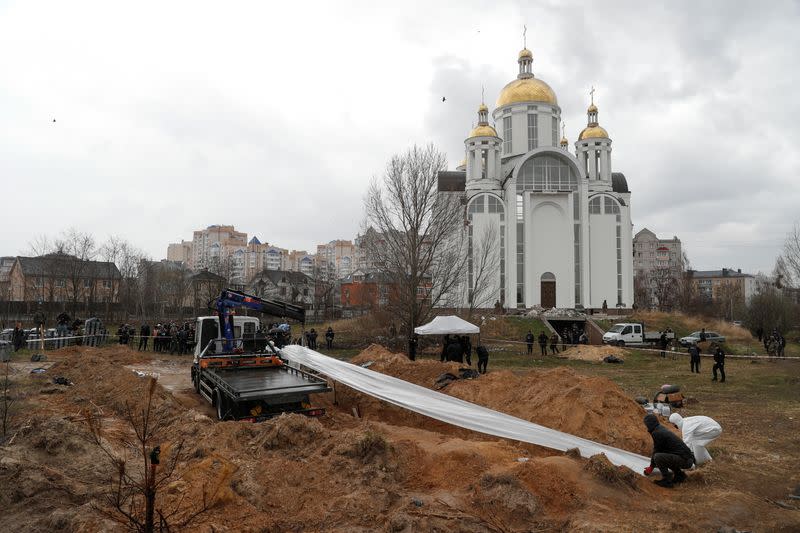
453	410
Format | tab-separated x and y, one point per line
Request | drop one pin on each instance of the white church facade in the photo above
559	222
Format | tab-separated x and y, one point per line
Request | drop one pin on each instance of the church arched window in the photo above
546	173
611	206
491	205
477	204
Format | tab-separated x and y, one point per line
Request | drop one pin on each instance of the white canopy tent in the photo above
444	325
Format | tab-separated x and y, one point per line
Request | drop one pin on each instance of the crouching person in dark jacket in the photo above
670	454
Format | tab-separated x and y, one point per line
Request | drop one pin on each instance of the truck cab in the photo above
207	328
624	333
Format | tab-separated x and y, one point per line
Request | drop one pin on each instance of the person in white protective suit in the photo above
698	432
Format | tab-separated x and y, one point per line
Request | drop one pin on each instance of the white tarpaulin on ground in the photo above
453	410
443	325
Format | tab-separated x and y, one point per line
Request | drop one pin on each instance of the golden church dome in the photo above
482	131
592	109
564	141
525	53
463	163
593	132
526	90
483	107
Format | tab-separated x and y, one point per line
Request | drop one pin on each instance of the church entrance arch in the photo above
548	299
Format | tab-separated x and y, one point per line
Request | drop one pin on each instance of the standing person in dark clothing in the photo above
329	338
18	337
543	342
694	358
760	333
445	343
182	334
670	454
703	335
719	364
313	338
412	346
455	354
144	336
466	344
554	344
483	358
565	339
529	342
662	340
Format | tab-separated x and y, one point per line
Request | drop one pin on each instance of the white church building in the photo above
562	219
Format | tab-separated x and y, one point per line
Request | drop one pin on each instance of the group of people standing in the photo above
456	348
167	337
567	337
774	342
311	338
719	360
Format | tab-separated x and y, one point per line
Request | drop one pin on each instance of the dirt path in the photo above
174	375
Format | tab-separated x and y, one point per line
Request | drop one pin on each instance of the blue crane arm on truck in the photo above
256	384
230	300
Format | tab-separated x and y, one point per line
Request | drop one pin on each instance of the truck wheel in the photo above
196	381
222	405
621	344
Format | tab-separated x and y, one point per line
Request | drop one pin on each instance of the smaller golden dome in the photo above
483	107
592	109
463	163
564	141
482	131
525	53
593	132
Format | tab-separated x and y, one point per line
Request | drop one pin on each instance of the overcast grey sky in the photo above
171	116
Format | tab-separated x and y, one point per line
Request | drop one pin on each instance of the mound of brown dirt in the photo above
594	408
589	352
590	407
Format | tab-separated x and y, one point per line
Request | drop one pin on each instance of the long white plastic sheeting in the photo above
453	410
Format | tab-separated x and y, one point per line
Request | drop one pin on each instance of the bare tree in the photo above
769	309
484	263
417	239
664	282
790	259
781	275
130	260
77	249
642	293
111	251
6	402
140	471
324	290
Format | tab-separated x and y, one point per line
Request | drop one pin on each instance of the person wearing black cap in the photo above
670	454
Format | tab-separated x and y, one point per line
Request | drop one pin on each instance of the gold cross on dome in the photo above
563	125
524	36
592	93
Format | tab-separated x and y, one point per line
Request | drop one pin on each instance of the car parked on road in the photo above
694	338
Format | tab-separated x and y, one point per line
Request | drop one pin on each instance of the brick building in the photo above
63	278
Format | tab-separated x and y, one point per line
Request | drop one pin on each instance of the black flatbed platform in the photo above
268	383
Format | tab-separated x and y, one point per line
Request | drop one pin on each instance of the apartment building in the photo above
336	259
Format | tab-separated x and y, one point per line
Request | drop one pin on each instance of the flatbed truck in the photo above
251	384
633	334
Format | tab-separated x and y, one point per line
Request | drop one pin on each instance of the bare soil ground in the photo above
388	469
